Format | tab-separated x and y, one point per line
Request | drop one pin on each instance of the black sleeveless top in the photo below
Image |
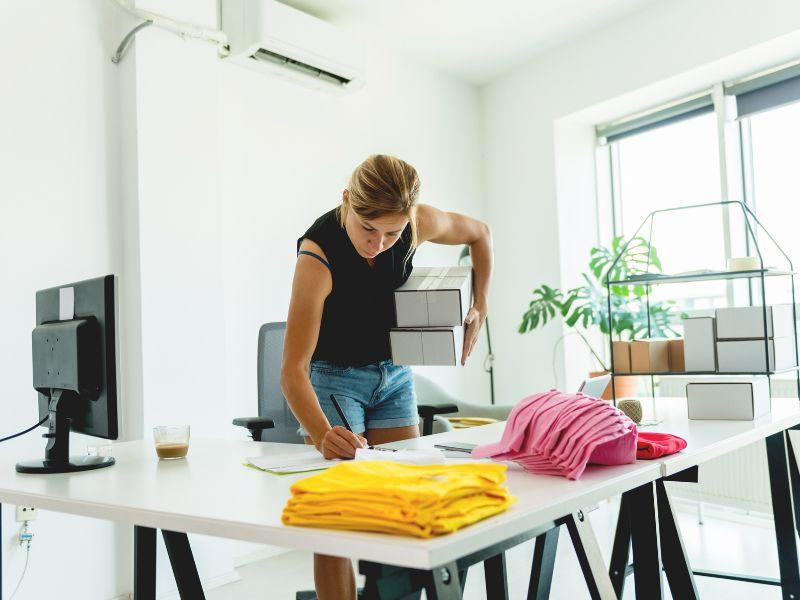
359	311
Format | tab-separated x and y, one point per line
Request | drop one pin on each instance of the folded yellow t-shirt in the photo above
382	496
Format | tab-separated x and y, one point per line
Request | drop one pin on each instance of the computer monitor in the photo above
75	370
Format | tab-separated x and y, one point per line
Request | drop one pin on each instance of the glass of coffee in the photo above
172	441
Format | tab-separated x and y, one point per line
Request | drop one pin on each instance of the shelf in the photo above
657	278
702	373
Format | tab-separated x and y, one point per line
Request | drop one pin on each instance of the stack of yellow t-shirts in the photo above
388	497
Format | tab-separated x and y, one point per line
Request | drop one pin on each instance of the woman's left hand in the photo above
472	327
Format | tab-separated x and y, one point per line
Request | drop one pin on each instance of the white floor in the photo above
725	542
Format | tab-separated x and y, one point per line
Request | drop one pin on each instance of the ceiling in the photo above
474	40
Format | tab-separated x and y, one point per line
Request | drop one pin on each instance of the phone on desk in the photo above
455	446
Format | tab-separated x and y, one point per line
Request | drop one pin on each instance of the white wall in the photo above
539	151
60	210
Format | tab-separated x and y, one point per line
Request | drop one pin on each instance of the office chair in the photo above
430	393
274	413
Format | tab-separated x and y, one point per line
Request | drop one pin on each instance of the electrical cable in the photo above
23	432
24	570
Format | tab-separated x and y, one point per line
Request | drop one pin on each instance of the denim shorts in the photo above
375	396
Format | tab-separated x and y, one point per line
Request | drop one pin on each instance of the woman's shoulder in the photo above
425	220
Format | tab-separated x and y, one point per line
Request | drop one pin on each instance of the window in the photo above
670	157
670	166
774	138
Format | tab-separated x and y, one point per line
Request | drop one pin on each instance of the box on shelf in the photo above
742	399
747	356
747	322
649	356
427	346
434	297
699	344
677	360
622	356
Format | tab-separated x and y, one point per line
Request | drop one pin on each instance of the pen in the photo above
341	414
347	423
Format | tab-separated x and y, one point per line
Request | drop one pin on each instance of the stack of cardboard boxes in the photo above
430	309
730	342
733	341
648	356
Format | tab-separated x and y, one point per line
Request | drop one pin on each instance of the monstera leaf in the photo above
639	257
586	305
546	304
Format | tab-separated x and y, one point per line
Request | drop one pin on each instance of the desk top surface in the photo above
708	439
211	492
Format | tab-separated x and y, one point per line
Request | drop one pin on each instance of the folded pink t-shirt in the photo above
560	434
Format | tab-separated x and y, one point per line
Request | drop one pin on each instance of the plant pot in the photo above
626	386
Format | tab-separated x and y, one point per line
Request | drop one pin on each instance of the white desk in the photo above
211	493
707	440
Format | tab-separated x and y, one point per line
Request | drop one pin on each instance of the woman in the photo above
349	262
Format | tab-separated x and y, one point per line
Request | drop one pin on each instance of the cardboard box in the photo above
434	297
747	322
677	360
622	356
747	356
699	345
431	346
728	400
649	356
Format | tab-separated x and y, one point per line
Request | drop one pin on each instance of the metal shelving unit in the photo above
648	280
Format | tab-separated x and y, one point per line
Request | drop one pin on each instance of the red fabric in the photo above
651	445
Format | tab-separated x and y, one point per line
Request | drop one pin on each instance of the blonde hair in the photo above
383	185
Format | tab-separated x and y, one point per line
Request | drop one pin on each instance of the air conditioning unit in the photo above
273	38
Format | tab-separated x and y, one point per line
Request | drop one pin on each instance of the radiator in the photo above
738	479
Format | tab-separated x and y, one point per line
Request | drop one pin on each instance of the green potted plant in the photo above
585	307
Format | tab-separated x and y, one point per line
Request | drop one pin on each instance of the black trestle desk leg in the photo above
494	569
144	563
444	584
784	519
794	475
621	551
462	578
544	559
183	566
673	552
644	541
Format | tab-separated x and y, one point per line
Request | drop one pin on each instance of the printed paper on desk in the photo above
289	463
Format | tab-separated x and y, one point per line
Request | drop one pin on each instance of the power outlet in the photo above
26	513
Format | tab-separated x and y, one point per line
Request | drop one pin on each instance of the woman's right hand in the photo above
340	442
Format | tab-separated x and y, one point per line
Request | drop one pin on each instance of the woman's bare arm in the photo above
453	228
312	284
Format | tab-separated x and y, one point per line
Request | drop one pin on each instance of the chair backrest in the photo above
429	392
271	402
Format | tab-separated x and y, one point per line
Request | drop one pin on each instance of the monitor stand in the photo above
56	454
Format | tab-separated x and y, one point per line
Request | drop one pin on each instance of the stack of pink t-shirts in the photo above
559	434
